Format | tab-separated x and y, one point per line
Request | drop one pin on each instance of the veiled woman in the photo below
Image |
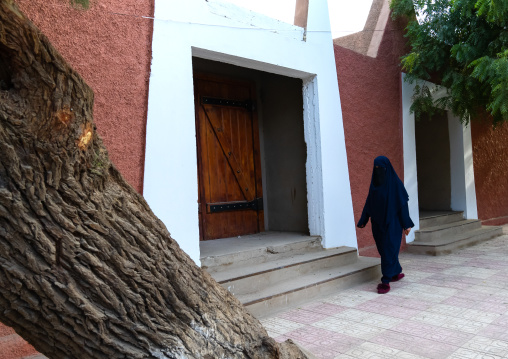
387	208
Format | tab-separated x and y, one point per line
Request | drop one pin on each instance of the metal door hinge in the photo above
247	104
256	205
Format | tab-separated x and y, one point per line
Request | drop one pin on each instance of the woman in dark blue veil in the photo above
387	208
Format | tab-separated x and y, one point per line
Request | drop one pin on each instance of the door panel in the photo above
228	158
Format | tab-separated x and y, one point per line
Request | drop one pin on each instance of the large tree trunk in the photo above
86	269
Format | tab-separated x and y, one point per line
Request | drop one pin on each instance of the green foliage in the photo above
463	43
84	4
422	101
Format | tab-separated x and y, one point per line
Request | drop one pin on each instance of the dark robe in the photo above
387	207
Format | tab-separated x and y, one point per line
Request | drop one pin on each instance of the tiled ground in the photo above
453	306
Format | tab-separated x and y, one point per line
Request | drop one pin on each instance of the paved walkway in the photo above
453	306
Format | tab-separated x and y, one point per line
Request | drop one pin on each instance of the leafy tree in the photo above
464	44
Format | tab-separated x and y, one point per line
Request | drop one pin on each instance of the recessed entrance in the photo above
271	139
433	162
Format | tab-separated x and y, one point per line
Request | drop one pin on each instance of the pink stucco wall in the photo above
110	46
370	93
490	151
12	346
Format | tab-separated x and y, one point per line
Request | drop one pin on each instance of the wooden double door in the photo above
229	166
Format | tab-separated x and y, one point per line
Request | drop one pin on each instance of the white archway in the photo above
463	193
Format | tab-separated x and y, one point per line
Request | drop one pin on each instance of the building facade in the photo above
167	77
445	165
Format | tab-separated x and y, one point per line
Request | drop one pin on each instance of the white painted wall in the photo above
463	194
409	146
221	31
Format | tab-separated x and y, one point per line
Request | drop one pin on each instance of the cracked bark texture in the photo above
86	269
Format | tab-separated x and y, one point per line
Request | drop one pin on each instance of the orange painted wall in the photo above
110	46
490	160
12	346
370	93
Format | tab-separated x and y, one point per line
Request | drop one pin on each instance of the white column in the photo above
337	210
170	180
463	193
410	169
471	211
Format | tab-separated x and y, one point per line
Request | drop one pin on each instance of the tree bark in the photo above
86	269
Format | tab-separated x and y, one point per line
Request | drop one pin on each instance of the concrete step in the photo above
449	244
254	249
438	218
254	278
272	271
298	290
436	233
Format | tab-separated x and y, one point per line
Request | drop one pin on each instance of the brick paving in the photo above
453	306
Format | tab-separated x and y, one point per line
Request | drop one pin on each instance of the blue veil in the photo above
385	200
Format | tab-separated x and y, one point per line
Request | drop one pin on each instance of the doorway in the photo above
433	162
279	143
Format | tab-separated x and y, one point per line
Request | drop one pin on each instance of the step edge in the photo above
430	222
222	281
447	226
452	213
478	231
309	239
258	256
365	267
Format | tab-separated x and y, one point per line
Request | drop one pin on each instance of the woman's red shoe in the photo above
398	277
383	288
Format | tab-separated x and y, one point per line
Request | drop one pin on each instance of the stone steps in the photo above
437	233
445	232
285	267
254	249
281	295
286	275
456	242
432	219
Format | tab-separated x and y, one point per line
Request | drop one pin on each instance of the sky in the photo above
346	16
